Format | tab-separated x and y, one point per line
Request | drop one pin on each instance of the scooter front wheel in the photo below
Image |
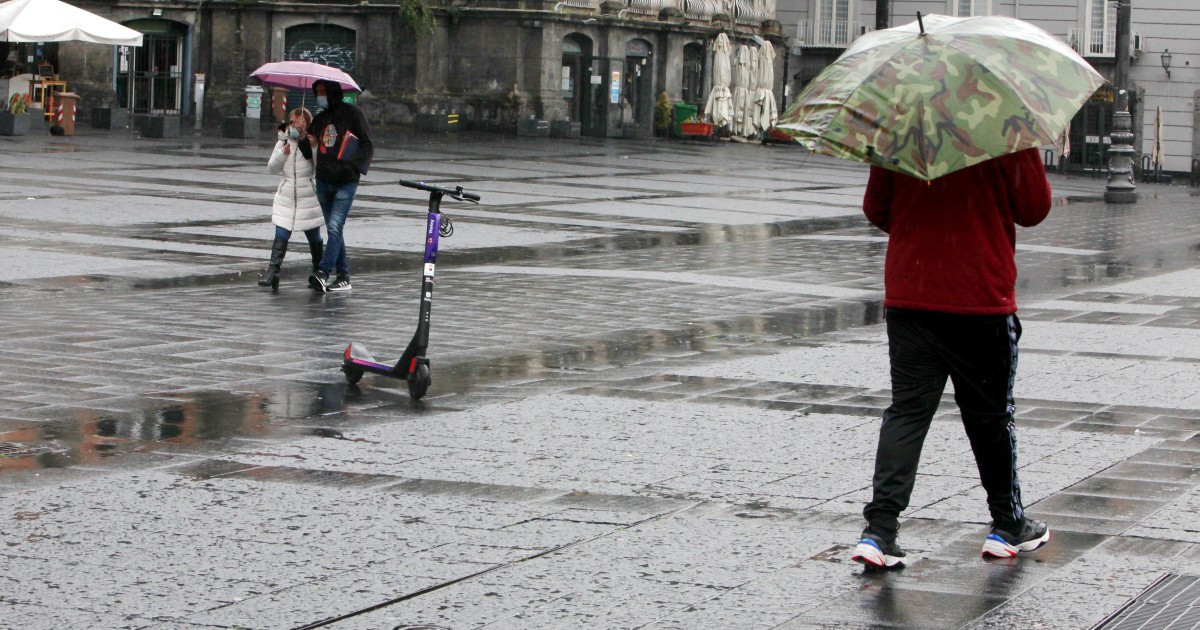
353	376
419	381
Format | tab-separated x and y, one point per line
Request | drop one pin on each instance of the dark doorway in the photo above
150	77
576	81
1089	132
638	85
693	74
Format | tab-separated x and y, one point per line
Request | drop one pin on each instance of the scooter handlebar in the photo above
457	192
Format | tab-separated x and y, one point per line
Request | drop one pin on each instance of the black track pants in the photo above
979	354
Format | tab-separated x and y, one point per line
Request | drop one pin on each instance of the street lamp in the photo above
1165	57
1120	188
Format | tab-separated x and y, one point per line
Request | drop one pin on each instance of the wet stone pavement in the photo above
658	370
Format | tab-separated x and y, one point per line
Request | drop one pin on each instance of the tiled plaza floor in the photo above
658	371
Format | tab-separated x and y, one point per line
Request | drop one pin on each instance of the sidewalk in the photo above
658	372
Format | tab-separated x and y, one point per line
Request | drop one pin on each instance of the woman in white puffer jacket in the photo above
296	206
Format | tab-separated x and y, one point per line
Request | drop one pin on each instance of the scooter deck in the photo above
357	357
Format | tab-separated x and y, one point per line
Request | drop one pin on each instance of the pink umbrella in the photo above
300	75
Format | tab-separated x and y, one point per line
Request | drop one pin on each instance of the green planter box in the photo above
682	112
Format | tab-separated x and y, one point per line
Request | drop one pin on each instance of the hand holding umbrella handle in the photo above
875	158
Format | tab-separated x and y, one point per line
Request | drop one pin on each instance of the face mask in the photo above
323	102
293	133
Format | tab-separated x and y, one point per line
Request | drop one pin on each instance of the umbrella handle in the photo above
876	158
921	22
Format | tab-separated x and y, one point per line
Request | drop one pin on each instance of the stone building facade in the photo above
493	62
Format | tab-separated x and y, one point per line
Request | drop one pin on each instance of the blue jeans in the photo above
313	235
335	200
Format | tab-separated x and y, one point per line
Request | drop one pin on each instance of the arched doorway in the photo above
693	74
327	44
149	78
576	80
638	88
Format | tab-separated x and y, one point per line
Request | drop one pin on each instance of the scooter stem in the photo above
420	341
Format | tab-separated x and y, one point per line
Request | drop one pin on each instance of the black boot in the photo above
317	250
278	249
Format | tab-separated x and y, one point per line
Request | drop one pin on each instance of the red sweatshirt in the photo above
952	241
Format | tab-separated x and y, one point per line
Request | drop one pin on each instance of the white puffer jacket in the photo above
296	206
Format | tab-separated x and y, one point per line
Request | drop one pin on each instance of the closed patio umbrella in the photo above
718	110
767	111
741	91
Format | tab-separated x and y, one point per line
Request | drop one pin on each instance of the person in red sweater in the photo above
950	301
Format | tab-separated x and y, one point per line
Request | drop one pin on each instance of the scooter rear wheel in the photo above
419	381
353	376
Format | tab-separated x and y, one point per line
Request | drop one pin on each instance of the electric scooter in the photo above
413	365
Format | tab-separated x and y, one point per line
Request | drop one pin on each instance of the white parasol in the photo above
742	104
768	113
56	21
719	107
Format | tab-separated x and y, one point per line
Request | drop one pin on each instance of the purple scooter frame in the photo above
413	365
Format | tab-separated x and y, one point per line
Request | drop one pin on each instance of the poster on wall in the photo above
614	96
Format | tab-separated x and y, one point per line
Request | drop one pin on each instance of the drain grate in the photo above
1172	601
16	449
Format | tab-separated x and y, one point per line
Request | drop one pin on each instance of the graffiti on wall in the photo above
334	55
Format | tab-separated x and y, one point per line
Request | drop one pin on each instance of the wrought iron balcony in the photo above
586	5
753	11
829	33
650	7
1100	42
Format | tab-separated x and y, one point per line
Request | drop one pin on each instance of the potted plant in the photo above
695	128
14	121
662	115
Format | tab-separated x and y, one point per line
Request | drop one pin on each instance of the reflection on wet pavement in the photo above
627	320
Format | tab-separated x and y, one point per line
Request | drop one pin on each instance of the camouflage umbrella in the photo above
941	94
